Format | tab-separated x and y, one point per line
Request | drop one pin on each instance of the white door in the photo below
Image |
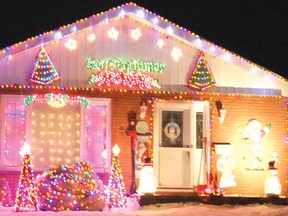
179	159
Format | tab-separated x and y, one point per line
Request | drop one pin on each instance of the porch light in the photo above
222	113
116	150
143	109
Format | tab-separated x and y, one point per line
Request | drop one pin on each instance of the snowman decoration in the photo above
272	182
225	165
254	132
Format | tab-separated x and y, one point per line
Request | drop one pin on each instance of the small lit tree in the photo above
116	186
26	199
44	72
202	77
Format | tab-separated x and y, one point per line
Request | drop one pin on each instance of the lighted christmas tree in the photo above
202	77
44	72
116	186
26	199
5	193
73	188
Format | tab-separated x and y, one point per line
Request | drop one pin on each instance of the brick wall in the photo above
268	110
240	109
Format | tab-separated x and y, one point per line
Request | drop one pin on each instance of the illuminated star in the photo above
71	44
26	149
176	53
160	43
113	33
116	150
136	33
91	37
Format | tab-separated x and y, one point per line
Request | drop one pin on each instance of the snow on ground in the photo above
171	209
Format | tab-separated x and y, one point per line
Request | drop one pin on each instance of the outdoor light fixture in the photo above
143	109
222	114
221	110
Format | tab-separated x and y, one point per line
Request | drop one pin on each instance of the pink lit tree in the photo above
116	186
26	198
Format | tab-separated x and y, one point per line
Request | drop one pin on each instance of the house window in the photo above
57	135
97	134
13	130
199	130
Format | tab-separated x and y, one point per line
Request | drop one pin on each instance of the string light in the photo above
5	193
123	65
76	187
56	100
44	72
141	13
106	78
202	77
116	192
26	198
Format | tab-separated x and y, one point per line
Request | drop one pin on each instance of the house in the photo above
129	77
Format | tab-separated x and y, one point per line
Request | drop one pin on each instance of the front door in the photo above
179	158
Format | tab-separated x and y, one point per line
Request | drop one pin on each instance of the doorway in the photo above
180	159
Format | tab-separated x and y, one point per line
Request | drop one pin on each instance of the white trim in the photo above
192	108
83	111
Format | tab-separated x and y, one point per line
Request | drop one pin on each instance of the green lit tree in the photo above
202	77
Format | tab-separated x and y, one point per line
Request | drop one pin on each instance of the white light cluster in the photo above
55	138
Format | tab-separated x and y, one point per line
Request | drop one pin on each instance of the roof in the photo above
157	23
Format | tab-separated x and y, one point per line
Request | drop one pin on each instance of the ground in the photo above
172	209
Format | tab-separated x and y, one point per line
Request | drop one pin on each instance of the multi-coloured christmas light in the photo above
116	187
73	188
202	77
5	193
44	72
125	66
26	198
106	78
56	100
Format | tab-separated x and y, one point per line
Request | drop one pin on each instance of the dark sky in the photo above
254	29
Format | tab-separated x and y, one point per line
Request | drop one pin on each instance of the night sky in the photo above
255	30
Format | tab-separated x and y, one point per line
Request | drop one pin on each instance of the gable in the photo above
230	70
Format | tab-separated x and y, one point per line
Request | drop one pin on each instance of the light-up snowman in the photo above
226	164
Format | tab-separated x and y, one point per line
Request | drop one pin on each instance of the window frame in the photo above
83	112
